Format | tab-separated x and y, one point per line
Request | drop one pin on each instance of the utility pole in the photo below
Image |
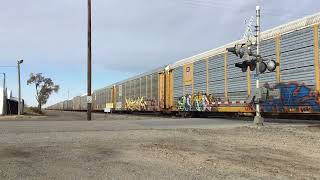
19	88
68	101
4	95
258	119
89	98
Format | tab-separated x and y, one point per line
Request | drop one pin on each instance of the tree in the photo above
44	88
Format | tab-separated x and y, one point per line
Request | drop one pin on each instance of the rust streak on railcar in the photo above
278	54
316	56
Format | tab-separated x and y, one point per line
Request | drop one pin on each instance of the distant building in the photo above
2	101
8	103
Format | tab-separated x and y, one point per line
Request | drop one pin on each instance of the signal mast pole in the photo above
89	98
258	119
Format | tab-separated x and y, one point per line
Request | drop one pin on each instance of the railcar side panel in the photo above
237	80
83	103
297	74
216	77
268	51
178	85
200	77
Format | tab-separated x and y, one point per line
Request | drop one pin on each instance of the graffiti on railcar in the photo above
136	104
197	102
294	97
202	102
184	103
140	104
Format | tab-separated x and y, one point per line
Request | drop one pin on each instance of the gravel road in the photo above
64	146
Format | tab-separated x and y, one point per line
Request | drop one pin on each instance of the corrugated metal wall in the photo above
76	103
136	88
60	106
188	90
127	90
178	83
96	99
268	51
95	96
237	80
123	95
107	93
83	102
65	105
100	98
70	105
117	94
133	86
155	84
131	89
200	76
297	57
143	87
149	87
103	98
216	76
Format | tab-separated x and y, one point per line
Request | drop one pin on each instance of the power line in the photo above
8	66
199	3
213	4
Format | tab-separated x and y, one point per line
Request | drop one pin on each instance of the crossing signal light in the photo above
232	50
245	64
237	50
242	65
272	65
252	66
251	60
262	67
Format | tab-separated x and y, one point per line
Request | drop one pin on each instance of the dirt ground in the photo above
122	150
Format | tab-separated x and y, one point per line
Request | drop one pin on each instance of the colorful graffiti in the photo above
197	102
137	104
140	104
184	103
294	97
201	102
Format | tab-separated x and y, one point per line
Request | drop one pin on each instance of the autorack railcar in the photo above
210	82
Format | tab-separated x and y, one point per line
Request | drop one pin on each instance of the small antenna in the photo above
248	33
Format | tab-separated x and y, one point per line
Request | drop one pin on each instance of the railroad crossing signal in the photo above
244	51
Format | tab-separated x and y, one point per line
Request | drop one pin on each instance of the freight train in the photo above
210	82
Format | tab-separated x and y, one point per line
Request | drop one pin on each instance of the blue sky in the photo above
129	37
